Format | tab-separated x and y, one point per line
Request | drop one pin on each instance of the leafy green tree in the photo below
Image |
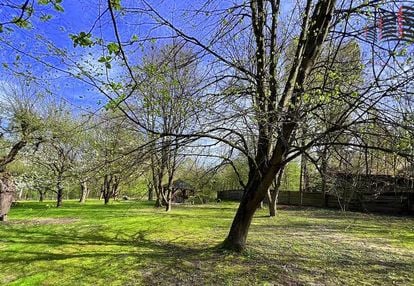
117	158
60	149
20	124
20	121
169	92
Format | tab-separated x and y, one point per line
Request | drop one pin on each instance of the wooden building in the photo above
181	191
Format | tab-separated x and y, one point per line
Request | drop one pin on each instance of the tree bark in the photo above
59	189
150	192
115	187
157	203
41	196
84	192
59	197
168	206
236	239
19	197
106	199
274	194
11	156
271	202
324	169
304	177
7	193
107	189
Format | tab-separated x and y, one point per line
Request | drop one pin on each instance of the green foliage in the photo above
82	39
115	86
57	4
20	14
227	179
291	177
58	7
134	39
45	18
113	104
116	4
330	81
135	188
22	23
113	48
106	60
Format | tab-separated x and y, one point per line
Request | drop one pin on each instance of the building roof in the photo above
181	184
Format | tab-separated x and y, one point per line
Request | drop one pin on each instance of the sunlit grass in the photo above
131	243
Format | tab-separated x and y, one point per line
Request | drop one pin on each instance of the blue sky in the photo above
80	15
77	16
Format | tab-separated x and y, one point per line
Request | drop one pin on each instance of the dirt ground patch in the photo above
42	221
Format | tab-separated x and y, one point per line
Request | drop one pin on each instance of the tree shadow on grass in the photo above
91	253
158	262
164	262
375	229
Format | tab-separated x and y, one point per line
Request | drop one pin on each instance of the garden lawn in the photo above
132	243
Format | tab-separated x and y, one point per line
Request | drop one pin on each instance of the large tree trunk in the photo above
236	239
167	196
314	29
7	192
110	187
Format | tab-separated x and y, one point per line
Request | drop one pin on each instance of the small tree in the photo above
58	154
169	92
114	145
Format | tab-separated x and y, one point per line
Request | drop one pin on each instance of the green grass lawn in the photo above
131	243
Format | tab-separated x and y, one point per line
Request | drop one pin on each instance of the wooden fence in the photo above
390	203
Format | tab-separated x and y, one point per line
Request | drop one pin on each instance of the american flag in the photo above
391	25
